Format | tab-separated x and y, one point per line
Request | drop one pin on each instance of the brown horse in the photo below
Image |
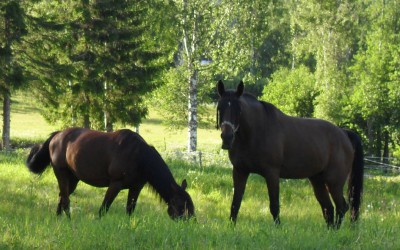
119	160
263	140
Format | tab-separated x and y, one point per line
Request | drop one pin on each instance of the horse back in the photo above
97	158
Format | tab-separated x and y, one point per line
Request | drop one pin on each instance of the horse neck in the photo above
159	176
256	118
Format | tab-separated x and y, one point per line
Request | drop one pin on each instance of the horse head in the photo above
180	205
228	113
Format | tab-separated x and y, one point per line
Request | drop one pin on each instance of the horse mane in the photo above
156	172
270	109
150	163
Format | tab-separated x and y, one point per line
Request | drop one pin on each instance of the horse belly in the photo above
89	167
302	167
299	172
94	178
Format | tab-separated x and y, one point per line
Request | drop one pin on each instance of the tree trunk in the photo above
192	130
6	121
108	126
378	148
107	122
370	135
86	112
86	121
386	147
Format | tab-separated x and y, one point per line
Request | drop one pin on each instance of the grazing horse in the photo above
261	139
118	160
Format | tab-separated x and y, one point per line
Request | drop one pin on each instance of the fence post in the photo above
200	159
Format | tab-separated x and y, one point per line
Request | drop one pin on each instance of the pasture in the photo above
28	205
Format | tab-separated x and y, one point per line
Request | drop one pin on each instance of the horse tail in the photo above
357	175
39	157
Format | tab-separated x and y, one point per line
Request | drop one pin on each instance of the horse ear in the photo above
240	89
184	184
221	88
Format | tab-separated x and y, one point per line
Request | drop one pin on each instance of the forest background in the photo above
103	64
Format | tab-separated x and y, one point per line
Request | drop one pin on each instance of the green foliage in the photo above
171	99
12	29
251	41
375	72
293	91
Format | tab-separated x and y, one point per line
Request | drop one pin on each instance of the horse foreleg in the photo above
322	195
273	193
133	195
239	185
111	193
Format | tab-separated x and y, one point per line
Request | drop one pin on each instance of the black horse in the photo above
263	140
119	160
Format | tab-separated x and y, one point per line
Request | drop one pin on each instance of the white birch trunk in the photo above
192	107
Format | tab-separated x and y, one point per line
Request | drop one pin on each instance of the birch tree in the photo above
199	25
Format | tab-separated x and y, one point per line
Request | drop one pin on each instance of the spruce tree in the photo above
103	61
12	28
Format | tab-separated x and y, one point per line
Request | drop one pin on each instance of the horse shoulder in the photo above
126	152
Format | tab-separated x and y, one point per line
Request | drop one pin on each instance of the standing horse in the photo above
119	160
261	139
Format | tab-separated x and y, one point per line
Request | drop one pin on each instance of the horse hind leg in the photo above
73	182
322	195
340	203
63	204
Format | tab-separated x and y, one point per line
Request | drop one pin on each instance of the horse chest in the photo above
252	162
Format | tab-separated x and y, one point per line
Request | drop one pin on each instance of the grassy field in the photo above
28	204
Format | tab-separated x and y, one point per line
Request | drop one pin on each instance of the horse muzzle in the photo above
227	141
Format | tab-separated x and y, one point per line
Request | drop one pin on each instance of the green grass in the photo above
26	121
28	220
28	205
